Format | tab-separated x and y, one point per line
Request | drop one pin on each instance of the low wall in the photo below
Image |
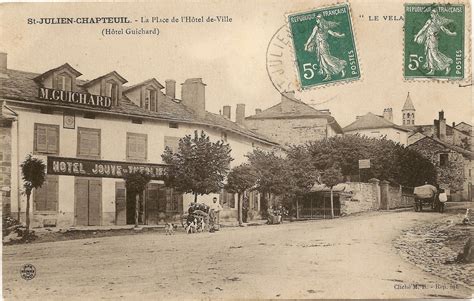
359	197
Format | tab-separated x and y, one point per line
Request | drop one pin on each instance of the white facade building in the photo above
91	132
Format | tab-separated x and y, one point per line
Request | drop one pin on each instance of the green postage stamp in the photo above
434	41
324	46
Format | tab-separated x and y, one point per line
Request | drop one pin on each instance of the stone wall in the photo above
293	131
359	197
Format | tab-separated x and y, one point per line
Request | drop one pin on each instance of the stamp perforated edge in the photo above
467	46
354	35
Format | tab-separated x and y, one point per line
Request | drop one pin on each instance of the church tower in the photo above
408	112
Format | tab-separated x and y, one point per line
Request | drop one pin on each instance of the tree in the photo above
199	166
33	170
270	173
301	175
240	179
331	177
135	184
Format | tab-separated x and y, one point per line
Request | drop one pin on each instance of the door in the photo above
120	204
151	203
88	194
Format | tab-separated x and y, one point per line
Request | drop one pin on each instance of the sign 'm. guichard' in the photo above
102	168
70	97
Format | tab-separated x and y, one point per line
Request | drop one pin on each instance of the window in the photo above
111	90
137	121
173	125
172	143
227	199
64	82
88	142
443	159
224	137
150	98
136	146
46	197
46	139
173	199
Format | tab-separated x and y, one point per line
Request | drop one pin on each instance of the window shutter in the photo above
89	144
52	194
41	138
40	198
52	139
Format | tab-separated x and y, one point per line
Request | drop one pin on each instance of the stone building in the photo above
376	126
90	133
453	166
451	155
293	122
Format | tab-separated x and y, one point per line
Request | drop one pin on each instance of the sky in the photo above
229	57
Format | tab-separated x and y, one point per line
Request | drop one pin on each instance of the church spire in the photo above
408	111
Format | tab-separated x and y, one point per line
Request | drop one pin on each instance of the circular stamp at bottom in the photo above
28	271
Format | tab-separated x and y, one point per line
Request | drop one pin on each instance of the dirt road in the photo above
351	257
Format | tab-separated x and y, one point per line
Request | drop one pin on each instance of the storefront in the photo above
91	133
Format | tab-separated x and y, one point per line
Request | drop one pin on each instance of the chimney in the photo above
258	111
193	95
170	88
388	114
441	126
454	124
3	61
287	104
226	111
240	113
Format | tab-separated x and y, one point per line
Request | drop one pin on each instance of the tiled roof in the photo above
299	110
372	121
20	86
455	148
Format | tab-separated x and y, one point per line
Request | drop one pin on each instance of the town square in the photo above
291	151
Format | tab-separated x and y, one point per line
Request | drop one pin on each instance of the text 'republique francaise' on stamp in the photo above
324	46
434	46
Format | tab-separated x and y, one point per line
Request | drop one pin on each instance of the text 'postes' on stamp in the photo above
434	41
324	46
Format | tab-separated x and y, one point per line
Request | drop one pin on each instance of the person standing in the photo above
443	198
215	210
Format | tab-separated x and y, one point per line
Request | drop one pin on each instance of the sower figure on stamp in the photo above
328	65
428	35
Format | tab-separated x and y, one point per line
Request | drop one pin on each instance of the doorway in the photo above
88	201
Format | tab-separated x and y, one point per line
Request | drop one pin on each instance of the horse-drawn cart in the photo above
424	195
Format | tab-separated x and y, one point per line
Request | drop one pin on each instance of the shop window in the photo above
112	91
172	143
136	146
64	82
46	197
88	142
227	199
46	139
443	160
150	100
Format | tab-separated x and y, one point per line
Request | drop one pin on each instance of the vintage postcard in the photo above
203	150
